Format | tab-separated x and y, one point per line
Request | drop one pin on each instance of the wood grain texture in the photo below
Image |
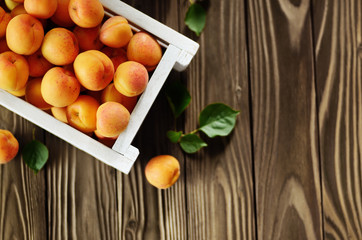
81	191
287	178
219	179
144	211
337	26
22	193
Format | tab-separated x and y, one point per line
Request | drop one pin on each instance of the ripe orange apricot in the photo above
33	94
9	146
131	78
112	119
143	48
24	34
14	71
82	113
115	32
110	94
162	171
86	13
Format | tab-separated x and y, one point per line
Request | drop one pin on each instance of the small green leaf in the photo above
191	143
217	119
178	97
174	136
195	18
35	155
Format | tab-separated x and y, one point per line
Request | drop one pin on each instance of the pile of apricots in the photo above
65	57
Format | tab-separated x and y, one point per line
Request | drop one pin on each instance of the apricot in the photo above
4	21
33	94
60	46
18	10
41	8
86	13
61	16
24	34
88	38
60	113
14	71
112	119
115	32
117	55
38	65
131	78
3	45
109	142
143	48
9	146
162	171
18	93
93	69
82	114
110	94
19	1
60	87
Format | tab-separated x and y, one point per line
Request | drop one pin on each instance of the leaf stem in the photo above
194	131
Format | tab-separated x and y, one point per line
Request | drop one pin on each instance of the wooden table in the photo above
292	168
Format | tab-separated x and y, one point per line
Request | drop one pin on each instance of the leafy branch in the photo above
215	119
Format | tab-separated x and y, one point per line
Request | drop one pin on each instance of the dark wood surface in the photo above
291	169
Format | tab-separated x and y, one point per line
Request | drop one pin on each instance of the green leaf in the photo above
178	97
191	143
35	155
195	18
217	119
174	136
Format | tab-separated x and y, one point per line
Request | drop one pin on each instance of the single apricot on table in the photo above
162	171
9	146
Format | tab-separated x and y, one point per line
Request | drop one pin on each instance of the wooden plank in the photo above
22	193
81	193
285	133
337	36
219	179
144	211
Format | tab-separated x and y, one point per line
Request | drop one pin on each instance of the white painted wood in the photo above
78	139
147	98
159	30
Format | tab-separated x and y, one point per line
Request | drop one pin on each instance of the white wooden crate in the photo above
178	54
